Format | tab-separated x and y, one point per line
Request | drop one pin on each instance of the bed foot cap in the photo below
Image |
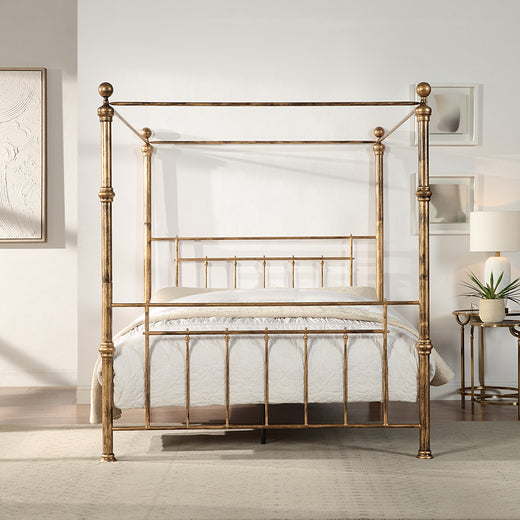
424	454
108	457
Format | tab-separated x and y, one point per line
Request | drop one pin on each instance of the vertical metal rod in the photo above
292	262
266	378
106	348
322	263
227	378
147	385
424	345
481	363
345	377
305	378
264	264
187	339
385	363
235	272
518	377
206	272
462	369
351	261
379	150
147	151
471	338
177	261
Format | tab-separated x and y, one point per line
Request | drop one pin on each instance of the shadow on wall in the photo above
44	373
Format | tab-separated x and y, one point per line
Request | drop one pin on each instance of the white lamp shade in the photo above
494	231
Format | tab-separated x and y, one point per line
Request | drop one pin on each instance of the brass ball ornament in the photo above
423	89
105	90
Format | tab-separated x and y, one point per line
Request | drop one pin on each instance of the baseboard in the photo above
83	395
32	378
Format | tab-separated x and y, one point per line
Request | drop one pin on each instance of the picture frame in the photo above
455	115
23	160
453	198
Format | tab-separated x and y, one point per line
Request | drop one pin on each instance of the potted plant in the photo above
492	299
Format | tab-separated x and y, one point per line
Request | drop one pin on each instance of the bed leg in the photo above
264	436
424	348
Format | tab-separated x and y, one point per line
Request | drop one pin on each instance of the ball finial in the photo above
423	89
379	131
105	90
146	133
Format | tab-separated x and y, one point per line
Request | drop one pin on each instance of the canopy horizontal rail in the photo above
263	103
262	142
318	237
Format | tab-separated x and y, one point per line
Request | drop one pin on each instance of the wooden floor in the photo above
57	405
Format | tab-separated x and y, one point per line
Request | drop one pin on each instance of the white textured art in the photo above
21	156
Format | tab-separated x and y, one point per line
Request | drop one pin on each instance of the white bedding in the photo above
286	368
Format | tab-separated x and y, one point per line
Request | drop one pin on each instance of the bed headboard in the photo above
344	245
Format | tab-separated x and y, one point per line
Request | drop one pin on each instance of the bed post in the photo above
147	150
424	345
379	150
106	195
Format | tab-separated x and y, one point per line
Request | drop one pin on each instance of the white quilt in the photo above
286	359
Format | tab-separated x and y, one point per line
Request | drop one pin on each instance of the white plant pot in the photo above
492	311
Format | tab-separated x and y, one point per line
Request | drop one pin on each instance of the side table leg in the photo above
472	344
462	370
481	369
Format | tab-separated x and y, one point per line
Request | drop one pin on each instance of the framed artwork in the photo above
453	199
454	119
22	154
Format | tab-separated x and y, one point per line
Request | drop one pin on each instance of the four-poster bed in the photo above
344	321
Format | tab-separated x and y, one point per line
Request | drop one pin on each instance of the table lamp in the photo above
495	231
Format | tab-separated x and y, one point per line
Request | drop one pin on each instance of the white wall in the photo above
38	285
295	50
244	51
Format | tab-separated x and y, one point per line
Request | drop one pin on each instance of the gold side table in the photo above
482	393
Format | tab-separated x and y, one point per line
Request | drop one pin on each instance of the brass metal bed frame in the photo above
106	113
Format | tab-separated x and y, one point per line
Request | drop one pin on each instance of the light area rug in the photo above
54	473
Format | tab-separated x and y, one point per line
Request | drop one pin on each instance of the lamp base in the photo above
498	265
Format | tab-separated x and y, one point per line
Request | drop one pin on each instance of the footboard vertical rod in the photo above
106	349
424	346
187	340
235	272
351	261
292	269
147	150
345	377
227	378
306	378
385	363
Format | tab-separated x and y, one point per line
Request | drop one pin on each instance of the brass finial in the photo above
379	132
423	89
105	90
146	133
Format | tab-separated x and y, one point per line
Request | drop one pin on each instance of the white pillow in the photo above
368	293
167	294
